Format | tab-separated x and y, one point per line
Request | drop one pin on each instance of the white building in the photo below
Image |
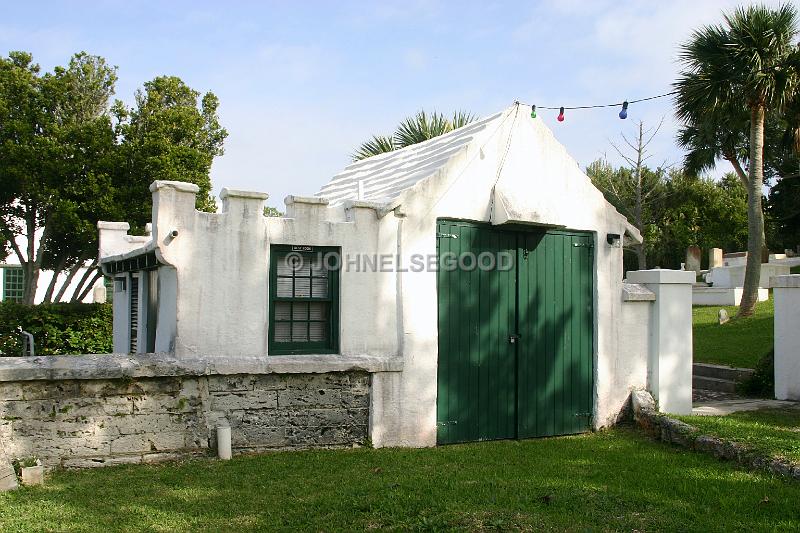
532	333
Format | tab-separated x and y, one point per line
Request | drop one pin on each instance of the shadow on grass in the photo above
608	480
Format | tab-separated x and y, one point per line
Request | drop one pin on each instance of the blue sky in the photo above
301	84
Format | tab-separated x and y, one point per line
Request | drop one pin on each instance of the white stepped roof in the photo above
384	177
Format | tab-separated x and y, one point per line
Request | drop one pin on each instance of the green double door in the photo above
516	337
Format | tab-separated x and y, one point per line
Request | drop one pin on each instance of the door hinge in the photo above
584	414
447	422
446	236
583	245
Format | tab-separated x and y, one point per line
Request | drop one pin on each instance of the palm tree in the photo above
413	130
745	64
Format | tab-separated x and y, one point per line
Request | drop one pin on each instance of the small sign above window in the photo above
302	248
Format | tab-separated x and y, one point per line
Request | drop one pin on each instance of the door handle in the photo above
514	338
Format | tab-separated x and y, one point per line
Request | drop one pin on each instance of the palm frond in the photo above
379	144
412	130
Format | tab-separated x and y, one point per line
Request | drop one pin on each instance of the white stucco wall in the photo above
669	366
787	336
221	260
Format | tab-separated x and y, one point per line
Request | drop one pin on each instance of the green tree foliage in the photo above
701	212
58	329
746	65
168	135
783	206
68	159
413	130
270	211
681	210
55	143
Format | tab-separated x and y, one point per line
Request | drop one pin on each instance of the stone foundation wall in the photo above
92	422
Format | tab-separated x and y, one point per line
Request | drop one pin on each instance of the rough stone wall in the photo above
78	423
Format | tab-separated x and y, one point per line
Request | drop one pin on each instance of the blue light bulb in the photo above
624	113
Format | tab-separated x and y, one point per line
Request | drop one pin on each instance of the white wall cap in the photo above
315	200
181	186
115	366
634	292
791	281
662	276
101	224
236	193
366	204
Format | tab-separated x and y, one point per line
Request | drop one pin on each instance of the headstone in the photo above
8	478
714	258
723	316
735	259
693	258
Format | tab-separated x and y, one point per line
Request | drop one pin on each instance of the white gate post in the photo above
669	365
786	291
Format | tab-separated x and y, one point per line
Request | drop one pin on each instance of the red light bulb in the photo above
561	115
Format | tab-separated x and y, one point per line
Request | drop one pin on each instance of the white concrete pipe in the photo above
224	442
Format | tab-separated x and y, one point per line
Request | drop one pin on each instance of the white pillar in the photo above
786	290
669	365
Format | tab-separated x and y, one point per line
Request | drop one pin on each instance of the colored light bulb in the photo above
624	113
561	115
533	111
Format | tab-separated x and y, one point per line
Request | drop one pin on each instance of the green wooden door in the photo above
477	314
515	341
555	316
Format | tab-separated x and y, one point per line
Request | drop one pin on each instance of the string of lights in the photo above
623	114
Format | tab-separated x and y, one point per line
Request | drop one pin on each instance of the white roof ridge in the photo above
386	176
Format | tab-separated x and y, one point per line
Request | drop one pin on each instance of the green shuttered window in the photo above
304	300
13	284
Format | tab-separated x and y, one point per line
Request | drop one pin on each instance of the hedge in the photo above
57	329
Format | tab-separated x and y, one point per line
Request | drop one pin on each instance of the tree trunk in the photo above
88	287
79	289
755	215
641	256
72	272
48	295
637	210
30	267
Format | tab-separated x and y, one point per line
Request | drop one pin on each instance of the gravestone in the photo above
714	258
723	316
8	478
693	258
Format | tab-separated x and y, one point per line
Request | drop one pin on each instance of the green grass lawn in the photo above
740	342
615	480
774	432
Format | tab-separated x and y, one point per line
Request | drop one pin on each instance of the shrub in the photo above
57	329
762	383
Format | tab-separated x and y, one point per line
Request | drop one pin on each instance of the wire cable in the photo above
617	104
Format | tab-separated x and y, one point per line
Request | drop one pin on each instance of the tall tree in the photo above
170	134
52	127
68	159
413	130
633	191
744	64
